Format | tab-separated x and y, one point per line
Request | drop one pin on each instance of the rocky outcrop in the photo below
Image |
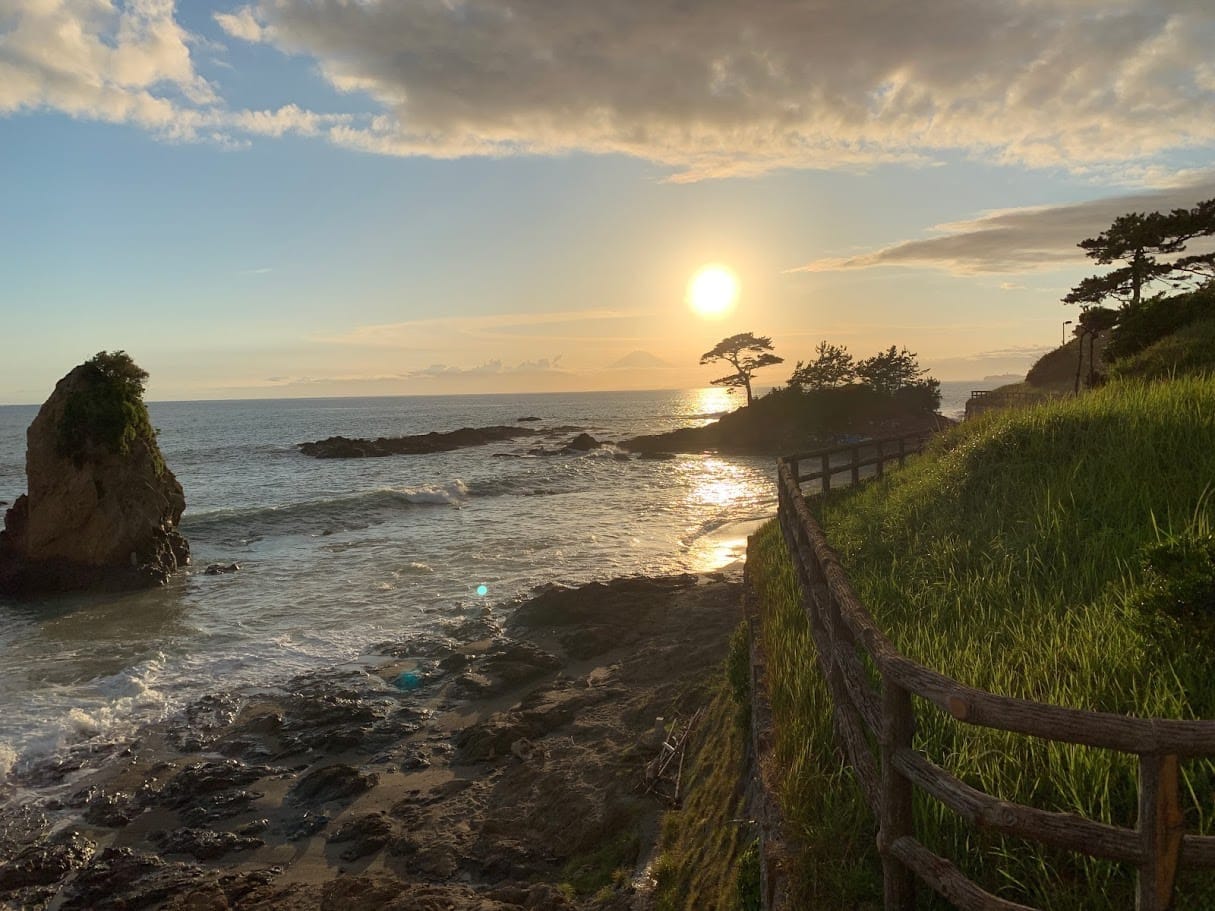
102	507
346	448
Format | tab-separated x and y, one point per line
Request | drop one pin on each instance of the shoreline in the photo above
486	768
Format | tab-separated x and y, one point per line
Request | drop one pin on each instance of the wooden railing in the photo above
856	461
876	724
982	400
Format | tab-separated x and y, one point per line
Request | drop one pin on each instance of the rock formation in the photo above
102	507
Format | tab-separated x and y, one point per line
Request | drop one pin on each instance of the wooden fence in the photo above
876	724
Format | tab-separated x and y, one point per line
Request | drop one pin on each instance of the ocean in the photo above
338	555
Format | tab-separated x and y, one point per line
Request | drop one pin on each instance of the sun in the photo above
712	291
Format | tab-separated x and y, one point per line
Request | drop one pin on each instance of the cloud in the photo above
128	62
709	89
489	368
718	87
449	330
1018	240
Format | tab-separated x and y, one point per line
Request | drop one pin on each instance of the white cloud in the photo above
493	367
710	88
719	87
1019	240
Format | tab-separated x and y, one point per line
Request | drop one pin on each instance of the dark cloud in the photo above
1019	240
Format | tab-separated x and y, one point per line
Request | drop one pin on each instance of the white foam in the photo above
451	492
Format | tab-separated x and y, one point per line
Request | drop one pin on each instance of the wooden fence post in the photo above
856	469
826	469
1160	829
902	451
881	452
898	724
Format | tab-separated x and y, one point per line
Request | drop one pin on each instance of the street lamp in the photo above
1066	323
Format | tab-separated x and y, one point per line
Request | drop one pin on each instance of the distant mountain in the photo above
635	360
1004	378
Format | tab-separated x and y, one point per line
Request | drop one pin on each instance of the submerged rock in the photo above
102	508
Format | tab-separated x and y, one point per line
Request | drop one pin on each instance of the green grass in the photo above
1189	350
1011	558
702	844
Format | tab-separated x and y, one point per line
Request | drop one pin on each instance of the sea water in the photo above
337	555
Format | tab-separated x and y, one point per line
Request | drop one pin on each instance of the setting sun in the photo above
713	291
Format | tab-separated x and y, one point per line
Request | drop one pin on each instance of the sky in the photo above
372	197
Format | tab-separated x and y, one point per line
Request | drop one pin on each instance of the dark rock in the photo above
340	447
201	779
219	569
584	442
333	782
46	862
102	508
527	419
305	825
120	878
205	844
111	810
599	616
365	835
210	809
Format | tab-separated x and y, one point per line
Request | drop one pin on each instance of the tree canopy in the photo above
746	353
1141	242
832	366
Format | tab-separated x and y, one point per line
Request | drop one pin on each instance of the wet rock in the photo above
46	862
600	616
340	447
201	779
120	878
304	825
112	811
333	782
364	835
584	442
204	844
211	808
506	664
219	569
527	419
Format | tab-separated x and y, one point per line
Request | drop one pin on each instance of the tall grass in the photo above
1010	558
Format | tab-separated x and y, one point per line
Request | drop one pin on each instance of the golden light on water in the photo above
713	291
721	485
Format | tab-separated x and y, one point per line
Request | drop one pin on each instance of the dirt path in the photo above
498	767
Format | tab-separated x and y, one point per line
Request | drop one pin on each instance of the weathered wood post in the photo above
1160	828
826	469
797	475
856	469
881	451
902	451
898	724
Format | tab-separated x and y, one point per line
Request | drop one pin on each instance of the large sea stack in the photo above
102	507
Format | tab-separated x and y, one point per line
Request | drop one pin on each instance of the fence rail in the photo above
876	724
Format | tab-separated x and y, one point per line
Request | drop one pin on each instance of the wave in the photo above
323	516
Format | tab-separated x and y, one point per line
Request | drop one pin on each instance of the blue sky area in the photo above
307	197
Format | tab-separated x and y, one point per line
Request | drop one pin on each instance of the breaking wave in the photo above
325	515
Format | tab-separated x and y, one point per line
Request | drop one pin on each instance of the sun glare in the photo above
712	292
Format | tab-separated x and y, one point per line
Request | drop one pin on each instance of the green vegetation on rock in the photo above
105	410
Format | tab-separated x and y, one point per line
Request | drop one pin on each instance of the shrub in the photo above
106	411
1154	318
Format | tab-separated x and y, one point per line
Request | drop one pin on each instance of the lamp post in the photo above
1066	323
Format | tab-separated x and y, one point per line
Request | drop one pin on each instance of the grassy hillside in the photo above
1017	556
1188	351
